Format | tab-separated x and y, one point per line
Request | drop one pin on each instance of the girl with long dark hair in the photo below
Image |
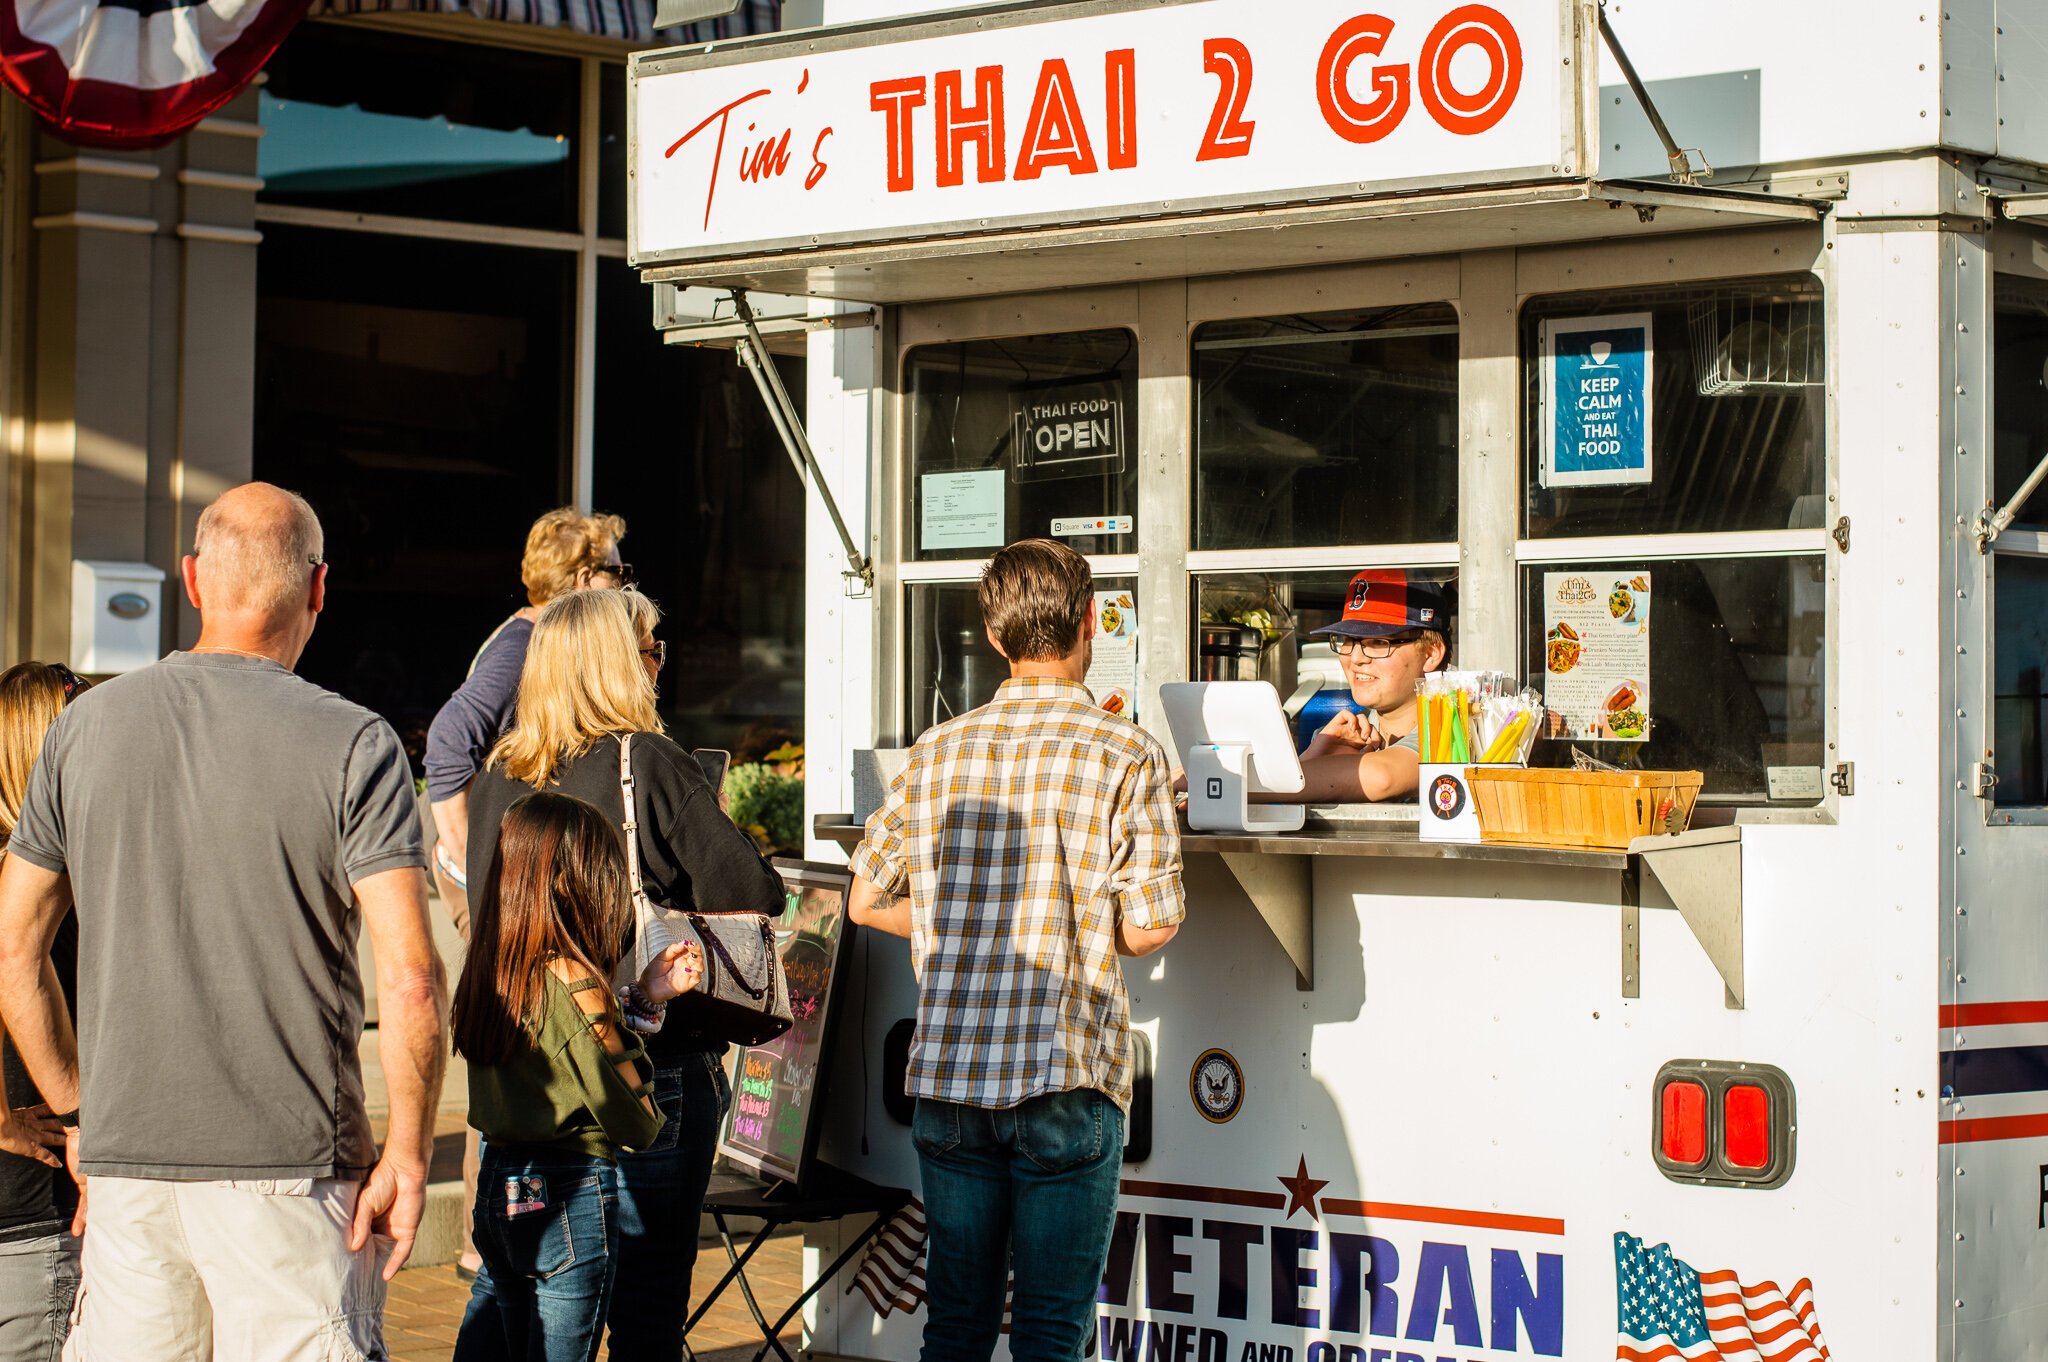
557	1085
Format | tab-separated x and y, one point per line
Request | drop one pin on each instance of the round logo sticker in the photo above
1446	797
1217	1085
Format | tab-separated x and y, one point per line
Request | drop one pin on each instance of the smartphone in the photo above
713	760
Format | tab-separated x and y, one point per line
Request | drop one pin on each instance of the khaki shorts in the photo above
241	1271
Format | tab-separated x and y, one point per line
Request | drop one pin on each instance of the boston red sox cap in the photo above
1382	602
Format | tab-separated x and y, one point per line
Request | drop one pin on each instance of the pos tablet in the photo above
1233	742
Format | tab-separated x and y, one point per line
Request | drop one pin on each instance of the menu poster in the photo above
772	1128
1113	671
1596	653
1596	400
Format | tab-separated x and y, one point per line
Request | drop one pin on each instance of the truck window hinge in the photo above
1983	780
1843	778
1840	534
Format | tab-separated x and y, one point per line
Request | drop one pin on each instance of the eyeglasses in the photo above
659	652
73	682
622	571
1373	647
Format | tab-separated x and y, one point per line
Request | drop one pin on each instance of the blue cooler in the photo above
1325	705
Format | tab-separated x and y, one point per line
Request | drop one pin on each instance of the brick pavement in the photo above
426	1303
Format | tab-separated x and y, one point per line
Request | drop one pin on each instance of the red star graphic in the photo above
1301	1191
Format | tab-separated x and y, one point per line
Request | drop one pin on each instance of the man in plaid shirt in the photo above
1024	847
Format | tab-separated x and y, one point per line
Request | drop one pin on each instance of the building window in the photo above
415	392
392	124
450	343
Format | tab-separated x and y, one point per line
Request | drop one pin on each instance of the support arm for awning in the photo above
754	358
1992	524
1681	160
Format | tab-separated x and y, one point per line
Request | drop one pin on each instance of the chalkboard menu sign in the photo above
777	1092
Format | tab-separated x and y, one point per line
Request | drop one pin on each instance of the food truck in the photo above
1702	350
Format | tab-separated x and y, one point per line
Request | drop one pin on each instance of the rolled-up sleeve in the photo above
879	859
1147	882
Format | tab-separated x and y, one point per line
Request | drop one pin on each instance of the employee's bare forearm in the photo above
884	910
33	902
412	1009
1346	778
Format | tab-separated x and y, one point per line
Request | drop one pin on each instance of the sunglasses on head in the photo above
73	682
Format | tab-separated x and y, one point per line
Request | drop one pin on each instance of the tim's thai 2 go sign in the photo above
1093	111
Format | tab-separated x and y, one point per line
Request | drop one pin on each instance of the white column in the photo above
842	415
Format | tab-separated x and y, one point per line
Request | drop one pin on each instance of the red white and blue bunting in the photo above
137	73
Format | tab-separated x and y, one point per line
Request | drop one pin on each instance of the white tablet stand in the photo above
1234	743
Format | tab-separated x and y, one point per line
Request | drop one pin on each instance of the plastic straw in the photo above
1508	745
1423	734
1460	752
1465	736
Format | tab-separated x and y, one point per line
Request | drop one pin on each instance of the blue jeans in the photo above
661	1198
546	1280
1030	1189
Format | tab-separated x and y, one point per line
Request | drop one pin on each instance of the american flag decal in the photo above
1670	1311
891	1273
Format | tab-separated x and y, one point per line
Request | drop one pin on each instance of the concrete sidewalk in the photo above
426	1304
427	1299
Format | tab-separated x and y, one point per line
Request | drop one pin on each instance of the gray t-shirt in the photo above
212	812
1410	740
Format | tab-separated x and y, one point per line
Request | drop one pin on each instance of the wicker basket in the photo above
1598	810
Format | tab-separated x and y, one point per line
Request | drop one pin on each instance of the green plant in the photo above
767	804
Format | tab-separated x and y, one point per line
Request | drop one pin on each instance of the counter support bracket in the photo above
1278	887
1701	873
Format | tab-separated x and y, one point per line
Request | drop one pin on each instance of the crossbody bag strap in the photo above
632	814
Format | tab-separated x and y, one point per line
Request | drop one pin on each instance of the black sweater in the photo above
692	857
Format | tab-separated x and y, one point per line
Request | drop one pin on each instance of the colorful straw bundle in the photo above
1476	717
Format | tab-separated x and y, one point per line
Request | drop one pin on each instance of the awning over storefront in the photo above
630	20
1242	240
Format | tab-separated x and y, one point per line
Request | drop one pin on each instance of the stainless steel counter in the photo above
1700	872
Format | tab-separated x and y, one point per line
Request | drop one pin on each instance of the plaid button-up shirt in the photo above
1023	832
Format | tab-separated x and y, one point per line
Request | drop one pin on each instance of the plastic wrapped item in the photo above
1481	718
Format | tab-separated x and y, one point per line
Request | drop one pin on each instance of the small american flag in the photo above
891	1273
1670	1311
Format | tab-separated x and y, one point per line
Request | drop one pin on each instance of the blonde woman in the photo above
589	680
566	551
38	1255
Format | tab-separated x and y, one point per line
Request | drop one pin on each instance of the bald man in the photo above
225	829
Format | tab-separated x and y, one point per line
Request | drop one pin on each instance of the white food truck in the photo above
1722	367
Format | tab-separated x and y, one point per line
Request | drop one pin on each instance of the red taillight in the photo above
1746	1126
1683	1131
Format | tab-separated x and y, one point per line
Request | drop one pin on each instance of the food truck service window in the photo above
2019	555
1674	558
1324	443
1020	438
953	669
1258	626
1331	429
